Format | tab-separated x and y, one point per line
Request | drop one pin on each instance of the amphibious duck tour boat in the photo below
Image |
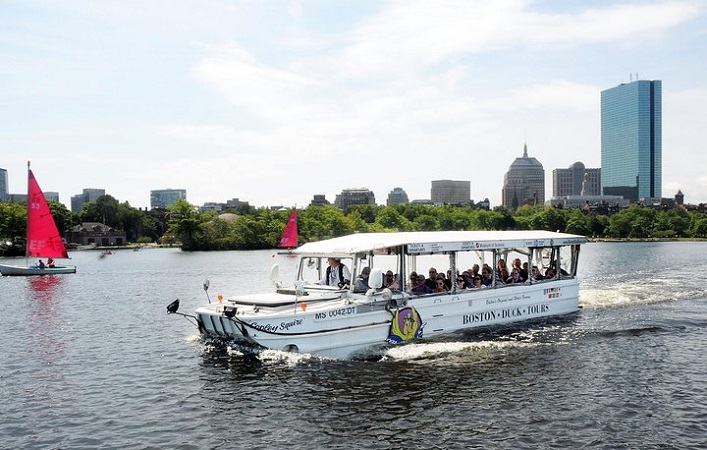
347	322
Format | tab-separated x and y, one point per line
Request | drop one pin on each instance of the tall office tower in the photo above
450	192
576	180
631	140
3	185
88	195
162	198
524	183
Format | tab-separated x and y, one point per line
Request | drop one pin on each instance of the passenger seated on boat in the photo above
468	278
503	275
515	277
516	264
50	263
412	281
486	278
430	281
40	264
535	274
391	281
474	271
413	278
549	274
337	274
446	279
420	288
461	283
361	284
524	271
478	282
440	286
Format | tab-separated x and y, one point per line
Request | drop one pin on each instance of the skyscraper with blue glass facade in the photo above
631	140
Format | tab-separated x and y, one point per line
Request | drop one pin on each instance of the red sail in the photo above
43	238
289	237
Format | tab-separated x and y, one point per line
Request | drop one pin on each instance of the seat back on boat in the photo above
375	279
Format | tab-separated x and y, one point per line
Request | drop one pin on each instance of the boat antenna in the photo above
206	289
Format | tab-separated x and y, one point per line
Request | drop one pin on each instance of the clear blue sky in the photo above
275	101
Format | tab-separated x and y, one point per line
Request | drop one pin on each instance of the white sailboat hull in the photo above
34	270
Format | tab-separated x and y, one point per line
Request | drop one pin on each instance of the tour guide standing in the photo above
337	274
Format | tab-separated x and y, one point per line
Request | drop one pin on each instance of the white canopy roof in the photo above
436	241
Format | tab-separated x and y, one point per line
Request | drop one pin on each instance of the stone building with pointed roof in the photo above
524	183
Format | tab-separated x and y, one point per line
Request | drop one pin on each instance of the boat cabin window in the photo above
461	268
313	269
458	269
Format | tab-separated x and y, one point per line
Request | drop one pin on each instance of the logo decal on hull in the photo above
406	325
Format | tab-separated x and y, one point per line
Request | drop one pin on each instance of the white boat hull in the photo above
342	328
34	270
333	319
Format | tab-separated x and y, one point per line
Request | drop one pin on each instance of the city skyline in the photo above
273	103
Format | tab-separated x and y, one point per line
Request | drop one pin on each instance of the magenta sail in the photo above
289	237
43	238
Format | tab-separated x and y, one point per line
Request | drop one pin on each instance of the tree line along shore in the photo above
250	228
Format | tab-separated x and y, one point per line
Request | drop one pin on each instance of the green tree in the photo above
426	222
13	228
578	223
503	220
367	212
64	218
323	222
485	220
131	221
633	222
358	223
103	210
597	224
150	230
679	221
699	227
619	226
184	224
389	219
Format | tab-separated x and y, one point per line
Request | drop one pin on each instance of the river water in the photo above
92	360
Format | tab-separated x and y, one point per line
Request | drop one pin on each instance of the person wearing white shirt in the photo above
336	274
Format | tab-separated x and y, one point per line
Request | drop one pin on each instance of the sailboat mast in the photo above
27	220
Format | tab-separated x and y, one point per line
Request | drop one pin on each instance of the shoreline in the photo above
620	240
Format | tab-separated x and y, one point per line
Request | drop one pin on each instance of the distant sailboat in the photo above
289	236
43	238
